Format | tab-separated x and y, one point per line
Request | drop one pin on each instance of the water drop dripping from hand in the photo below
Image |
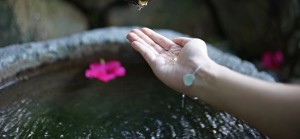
182	101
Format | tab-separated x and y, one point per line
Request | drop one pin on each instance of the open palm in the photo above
169	60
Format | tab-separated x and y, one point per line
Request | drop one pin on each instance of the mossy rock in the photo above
33	20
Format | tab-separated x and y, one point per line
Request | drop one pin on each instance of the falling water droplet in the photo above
182	100
141	4
140	8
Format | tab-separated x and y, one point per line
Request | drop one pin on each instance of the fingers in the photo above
148	55
133	37
146	51
147	40
162	41
182	41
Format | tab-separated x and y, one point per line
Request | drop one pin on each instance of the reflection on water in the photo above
137	106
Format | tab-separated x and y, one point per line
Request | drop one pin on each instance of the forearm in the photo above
272	108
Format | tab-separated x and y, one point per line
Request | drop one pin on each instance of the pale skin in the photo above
272	108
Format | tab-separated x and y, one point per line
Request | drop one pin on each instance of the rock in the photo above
92	5
35	20
9	31
189	17
257	25
95	10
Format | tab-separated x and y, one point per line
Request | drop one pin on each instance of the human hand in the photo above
169	60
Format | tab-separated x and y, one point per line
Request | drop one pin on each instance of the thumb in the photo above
182	41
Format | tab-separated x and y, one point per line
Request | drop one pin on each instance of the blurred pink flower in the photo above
272	60
105	71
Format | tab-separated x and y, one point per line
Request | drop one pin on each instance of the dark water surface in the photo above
54	104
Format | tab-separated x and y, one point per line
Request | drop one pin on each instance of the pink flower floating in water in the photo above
105	71
272	60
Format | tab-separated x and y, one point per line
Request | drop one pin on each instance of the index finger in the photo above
162	41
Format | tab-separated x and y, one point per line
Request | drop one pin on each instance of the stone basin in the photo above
44	94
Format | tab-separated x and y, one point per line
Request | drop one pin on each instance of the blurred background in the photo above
265	32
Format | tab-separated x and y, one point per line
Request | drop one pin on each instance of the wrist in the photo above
205	78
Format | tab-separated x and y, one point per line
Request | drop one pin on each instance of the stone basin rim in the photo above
20	57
